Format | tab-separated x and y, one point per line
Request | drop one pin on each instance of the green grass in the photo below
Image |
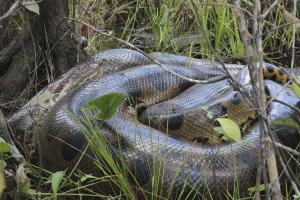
173	26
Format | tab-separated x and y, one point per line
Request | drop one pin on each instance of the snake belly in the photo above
61	137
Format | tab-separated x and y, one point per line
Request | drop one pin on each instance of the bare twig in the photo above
254	54
264	15
286	148
12	10
296	22
247	43
285	170
270	154
293	37
286	104
4	133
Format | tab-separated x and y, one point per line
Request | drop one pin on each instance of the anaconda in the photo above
61	137
192	114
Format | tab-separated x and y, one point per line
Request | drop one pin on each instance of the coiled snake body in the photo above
187	163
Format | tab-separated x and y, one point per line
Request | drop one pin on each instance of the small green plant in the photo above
55	179
105	105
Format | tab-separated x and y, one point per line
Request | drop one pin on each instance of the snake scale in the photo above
142	82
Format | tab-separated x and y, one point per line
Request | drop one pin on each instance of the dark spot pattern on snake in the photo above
274	78
134	88
71	144
280	73
270	69
141	169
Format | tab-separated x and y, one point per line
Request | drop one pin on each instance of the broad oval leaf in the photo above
55	180
296	88
286	122
4	147
32	6
230	128
106	105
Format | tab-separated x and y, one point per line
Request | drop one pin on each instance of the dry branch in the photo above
254	55
286	148
12	10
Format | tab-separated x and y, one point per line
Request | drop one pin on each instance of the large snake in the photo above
188	163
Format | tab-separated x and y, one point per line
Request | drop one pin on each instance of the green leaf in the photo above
32	6
106	105
252	190
55	180
83	176
296	197
230	128
286	122
296	88
4	147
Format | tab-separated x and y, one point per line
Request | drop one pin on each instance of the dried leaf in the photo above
290	18
23	182
32	6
